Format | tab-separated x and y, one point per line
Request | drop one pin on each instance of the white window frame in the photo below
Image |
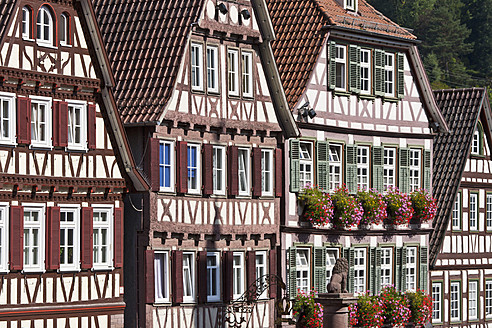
341	61
214	297
246	190
10	99
247	73
189	271
64	29
198	186
82	106
303	271
335	165
196	66
261	270
386	266
46	101
96	208
75	210
267	172
473	211
162	278
306	163
40	225
212	68
415	168
162	166
476	142
411	268
26	24
330	261
233	72
365	70
389	74
454	301
363	163
360	270
41	38
239	273
351	5
456	213
488	211
488	298
4	237
219	169
436	302
389	167
473	299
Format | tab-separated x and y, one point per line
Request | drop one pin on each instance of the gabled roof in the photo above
461	109
6	8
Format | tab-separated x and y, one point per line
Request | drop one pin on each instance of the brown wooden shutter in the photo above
227	260
152	163
16	237
118	237
256	172
272	266
177	269
56	123
91	126
203	277
251	275
182	167
63	124
53	238
87	241
232	171
23	120
279	173
207	169
149	276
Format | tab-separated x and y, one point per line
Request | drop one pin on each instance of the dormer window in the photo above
44	32
350	5
477	142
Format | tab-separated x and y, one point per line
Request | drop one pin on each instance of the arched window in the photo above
45	26
26	23
477	142
64	29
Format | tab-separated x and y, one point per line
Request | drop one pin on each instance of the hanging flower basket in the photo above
318	207
399	207
373	205
309	314
348	212
424	206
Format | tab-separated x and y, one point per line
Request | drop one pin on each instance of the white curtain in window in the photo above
159	276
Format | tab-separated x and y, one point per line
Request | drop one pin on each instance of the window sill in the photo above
197	90
213	92
8	143
27	39
341	93
66	45
167	191
218	195
213	300
163	303
76	149
248	97
40	147
45	45
102	268
390	99
477	156
233	95
193	194
68	270
267	196
33	270
367	96
4	271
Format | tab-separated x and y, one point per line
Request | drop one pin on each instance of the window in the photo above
340	67
350	4
360	270
166	161
247	58
365	71
386	266
476	142
188	276
456	218
363	167
161	274
219	170
212	69
267	172
302	270
335	166
40	122
454	304
4	244
34	238
331	258
64	29
473	211
389	169
194	169
238	274
411	274
261	270
213	276
243	171
69	238
389	75
436	301
488	298
7	118
415	160
306	164
473	299
233	71
489	211
26	23
102	238
77	125
44	25
197	66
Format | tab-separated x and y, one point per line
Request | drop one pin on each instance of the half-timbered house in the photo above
460	251
65	164
205	113
367	116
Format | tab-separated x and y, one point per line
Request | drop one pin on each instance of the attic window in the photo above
477	143
350	5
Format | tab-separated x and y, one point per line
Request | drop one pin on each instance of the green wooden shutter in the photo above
323	165
403	257
400	63
427	170
354	71
372	270
423	268
378	72
404	169
332	65
398	268
294	165
348	254
377	168
292	273
351	168
320	269
377	276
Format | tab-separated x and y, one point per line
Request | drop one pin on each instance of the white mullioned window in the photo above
161	276
360	270
456	216
261	270
303	272
64	29
212	69
213	276
26	23
238	274
473	211
335	166
194	186
365	71
247	73
489	211
219	170
351	4
188	276
244	171
436	302
488	298
44	31
473	300
454	302
363	167
34	218
331	258
197	66
306	163
389	74
341	67
415	168
476	142
267	172
41	118
77	123
386	266
233	71
7	118
69	238
411	274
389	167
102	227
166	165
4	242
